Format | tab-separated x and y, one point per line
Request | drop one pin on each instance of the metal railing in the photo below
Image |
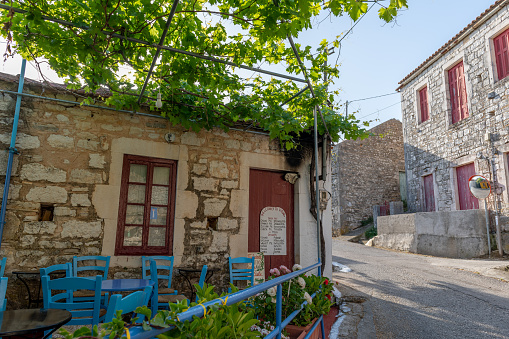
198	311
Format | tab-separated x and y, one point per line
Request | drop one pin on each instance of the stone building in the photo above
365	173
91	181
456	117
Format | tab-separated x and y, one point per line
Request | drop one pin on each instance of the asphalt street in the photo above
415	296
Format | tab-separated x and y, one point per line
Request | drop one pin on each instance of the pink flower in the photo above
284	269
275	272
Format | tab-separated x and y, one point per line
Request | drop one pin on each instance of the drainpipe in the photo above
12	149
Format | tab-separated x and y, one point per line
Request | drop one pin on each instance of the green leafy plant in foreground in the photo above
221	321
371	232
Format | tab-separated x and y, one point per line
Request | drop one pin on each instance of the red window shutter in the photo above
423	99
501	44
458	93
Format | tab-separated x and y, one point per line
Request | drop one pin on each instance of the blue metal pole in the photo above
279	306
12	149
317	192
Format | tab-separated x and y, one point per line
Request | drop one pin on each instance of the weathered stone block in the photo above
191	138
186	204
88	144
62	118
81	229
232	143
39	172
199	224
199	169
23	141
80	200
214	207
4	157
85	177
229	184
13	191
40	227
205	184
64	212
49	194
227	224
219	242
112	128
96	161
60	141
218	169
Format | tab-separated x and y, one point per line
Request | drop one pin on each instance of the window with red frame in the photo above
458	93
501	44
423	104
147	206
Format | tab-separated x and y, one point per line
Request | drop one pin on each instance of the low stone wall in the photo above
456	234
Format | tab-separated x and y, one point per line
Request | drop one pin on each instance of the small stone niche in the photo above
46	213
212	223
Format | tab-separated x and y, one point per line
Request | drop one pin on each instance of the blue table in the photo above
125	284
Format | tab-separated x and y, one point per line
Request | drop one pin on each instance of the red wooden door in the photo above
429	194
269	189
466	199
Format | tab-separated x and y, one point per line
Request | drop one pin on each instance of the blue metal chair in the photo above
237	274
128	303
2	266
3	290
84	265
83	312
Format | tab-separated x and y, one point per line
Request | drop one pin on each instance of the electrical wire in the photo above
378	96
380	110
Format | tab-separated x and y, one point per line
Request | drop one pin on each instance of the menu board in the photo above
259	271
273	231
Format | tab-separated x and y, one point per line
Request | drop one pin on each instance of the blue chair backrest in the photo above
241	273
165	264
83	312
2	266
87	267
203	275
67	268
128	303
3	290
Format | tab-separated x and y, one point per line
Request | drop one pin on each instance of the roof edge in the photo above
482	18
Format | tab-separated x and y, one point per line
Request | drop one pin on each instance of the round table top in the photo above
19	322
125	284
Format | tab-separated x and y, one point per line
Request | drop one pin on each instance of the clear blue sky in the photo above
374	56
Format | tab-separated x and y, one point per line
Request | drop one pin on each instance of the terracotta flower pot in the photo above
299	332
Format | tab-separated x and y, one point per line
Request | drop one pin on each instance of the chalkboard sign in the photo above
273	231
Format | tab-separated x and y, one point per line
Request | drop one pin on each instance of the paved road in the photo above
414	296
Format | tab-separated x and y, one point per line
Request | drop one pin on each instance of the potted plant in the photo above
294	293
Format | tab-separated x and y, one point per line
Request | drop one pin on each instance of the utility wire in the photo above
344	36
378	96
380	110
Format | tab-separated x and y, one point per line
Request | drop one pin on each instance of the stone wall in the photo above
70	159
437	146
366	173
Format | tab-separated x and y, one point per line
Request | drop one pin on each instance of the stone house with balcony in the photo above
92	181
455	120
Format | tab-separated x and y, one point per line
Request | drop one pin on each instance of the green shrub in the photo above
370	233
367	221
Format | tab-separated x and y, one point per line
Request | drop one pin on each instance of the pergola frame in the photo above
160	46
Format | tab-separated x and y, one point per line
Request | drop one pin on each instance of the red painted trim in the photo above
423	100
151	163
501	44
458	93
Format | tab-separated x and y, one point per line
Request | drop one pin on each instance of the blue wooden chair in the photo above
82	265
88	266
161	296
2	266
3	290
83	312
128	303
65	268
237	274
165	264
203	275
